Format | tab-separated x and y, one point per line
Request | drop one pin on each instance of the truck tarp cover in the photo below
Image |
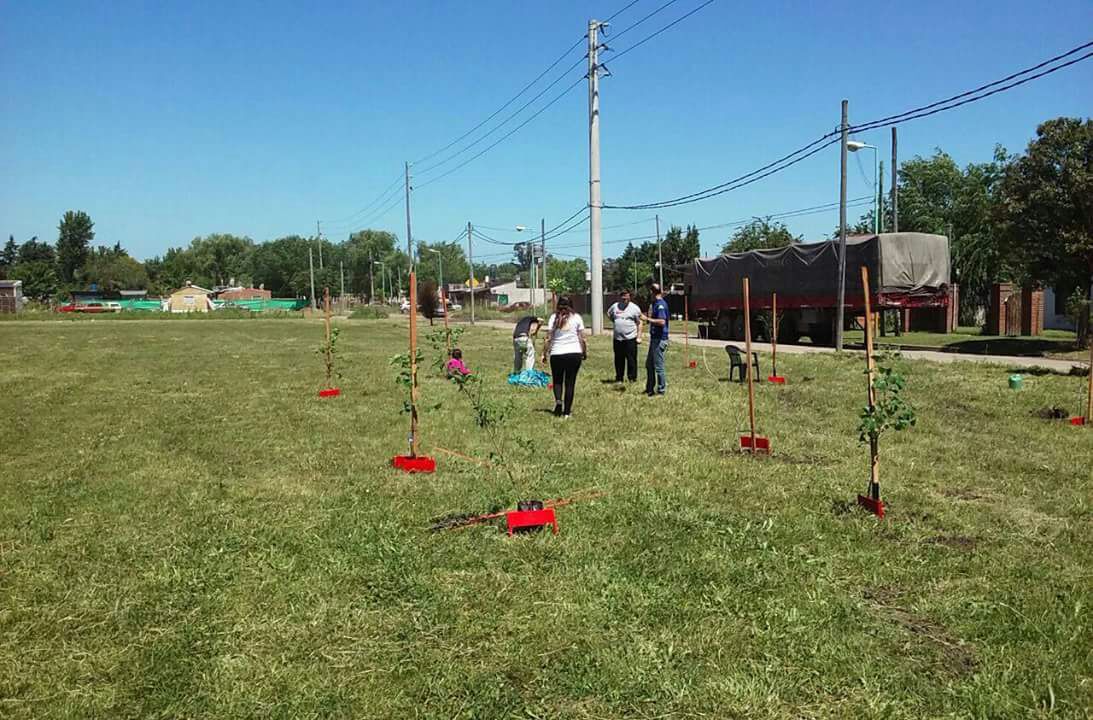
899	264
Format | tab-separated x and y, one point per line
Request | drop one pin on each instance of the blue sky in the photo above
165	121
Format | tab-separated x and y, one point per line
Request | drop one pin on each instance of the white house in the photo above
508	293
1055	317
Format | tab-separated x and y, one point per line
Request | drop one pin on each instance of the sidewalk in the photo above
1008	361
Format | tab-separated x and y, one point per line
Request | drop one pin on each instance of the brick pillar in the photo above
952	314
996	315
1032	311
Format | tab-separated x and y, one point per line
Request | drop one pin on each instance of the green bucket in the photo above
1016	382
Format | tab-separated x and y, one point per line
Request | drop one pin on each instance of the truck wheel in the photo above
724	326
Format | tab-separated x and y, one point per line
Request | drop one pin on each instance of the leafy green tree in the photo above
679	249
34	250
8	256
76	232
39	278
1045	209
567	276
112	270
454	261
760	234
281	266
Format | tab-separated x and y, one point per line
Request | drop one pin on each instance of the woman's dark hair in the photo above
457	353
562	312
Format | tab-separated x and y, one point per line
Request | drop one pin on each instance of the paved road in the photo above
1008	361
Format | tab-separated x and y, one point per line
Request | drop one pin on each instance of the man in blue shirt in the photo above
658	344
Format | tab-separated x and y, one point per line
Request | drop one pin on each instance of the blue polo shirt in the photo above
659	311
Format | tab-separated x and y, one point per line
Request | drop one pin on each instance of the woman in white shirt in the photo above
566	348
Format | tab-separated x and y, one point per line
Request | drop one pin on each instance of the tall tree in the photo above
1045	210
10	253
75	234
110	270
760	234
34	250
453	258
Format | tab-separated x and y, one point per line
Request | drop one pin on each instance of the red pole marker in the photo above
751	442
774	377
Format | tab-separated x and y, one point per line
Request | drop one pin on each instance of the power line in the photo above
504	137
920	111
501	109
620	11
670	25
363	225
378	200
767	170
633	25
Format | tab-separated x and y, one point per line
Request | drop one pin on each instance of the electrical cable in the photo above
882	122
379	199
633	25
501	109
620	11
649	37
504	137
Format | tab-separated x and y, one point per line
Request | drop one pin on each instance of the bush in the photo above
370	312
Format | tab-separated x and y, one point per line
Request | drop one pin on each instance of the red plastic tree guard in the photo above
874	506
762	444
414	464
330	392
531	519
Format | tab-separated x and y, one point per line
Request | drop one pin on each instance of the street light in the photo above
383	278
854	146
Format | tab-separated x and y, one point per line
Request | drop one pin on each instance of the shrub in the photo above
370	312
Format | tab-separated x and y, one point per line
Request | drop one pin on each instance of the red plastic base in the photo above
550	386
762	444
330	392
776	379
692	364
531	519
874	506
411	464
1077	421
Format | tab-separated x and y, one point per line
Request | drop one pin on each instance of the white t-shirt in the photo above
567	339
625	321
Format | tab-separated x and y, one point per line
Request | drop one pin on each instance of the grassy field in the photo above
186	530
1059	344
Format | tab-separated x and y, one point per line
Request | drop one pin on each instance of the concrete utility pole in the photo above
843	127
319	235
660	256
594	232
895	184
470	256
542	237
311	271
371	279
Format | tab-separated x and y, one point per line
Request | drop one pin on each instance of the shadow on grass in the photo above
1019	347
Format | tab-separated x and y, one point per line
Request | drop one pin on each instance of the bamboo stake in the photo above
870	364
326	321
748	363
774	336
413	364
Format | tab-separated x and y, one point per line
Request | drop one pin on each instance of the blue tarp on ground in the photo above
530	378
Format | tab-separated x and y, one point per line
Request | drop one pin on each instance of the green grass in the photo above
1053	343
186	530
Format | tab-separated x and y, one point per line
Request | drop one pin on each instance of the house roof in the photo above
192	288
10	283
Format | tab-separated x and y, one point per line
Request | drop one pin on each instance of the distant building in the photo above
508	294
11	296
1055	316
190	298
242	293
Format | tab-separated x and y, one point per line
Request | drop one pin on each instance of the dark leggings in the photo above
564	369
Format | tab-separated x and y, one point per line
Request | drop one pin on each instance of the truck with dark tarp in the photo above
906	271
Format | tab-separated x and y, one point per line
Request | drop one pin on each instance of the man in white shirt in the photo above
626	317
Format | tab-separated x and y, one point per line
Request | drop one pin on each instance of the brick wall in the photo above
996	314
1032	311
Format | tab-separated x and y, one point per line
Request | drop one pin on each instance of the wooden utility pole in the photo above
871	369
311	271
895	184
470	255
447	332
774	336
1089	400
686	334
748	363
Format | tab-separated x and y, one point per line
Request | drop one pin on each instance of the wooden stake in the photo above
748	363
686	334
774	336
326	321
447	333
413	364
870	364
1089	400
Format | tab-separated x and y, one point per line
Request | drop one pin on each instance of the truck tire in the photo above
724	326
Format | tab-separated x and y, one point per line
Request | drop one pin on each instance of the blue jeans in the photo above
654	367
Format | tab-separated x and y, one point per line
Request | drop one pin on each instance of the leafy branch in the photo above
890	411
489	415
328	350
441	340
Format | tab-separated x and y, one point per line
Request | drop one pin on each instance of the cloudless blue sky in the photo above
165	121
